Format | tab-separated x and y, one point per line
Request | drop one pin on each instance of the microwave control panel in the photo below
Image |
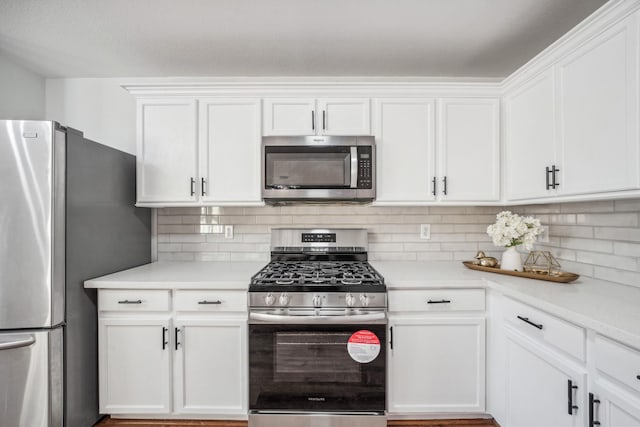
365	174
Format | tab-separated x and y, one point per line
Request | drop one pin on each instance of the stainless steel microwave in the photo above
318	168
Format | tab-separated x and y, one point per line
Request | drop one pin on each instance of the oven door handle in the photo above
279	318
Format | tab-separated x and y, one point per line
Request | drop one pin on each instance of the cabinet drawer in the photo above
437	300
546	328
133	300
210	301
620	362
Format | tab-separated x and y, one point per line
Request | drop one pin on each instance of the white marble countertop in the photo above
181	275
607	308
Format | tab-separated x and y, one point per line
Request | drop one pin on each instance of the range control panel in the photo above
365	173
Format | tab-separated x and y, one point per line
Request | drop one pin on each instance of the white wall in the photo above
97	106
22	92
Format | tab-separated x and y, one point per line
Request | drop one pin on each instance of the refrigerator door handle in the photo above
17	343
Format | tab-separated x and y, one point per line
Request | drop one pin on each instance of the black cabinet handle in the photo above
638	377
433	181
444	185
202	188
193	186
442	301
323	120
209	302
547	177
554	182
391	337
570	390
177	343
526	320
313	120
126	301
592	402
164	337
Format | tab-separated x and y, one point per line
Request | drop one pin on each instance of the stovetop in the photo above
317	276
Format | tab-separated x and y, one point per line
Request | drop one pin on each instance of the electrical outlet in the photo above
544	236
425	231
228	231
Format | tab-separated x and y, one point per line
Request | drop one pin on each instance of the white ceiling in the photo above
146	38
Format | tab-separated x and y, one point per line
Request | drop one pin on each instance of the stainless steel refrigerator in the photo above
66	215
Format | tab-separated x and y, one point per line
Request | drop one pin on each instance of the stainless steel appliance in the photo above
318	168
66	215
317	333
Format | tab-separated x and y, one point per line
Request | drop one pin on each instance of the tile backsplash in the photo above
596	239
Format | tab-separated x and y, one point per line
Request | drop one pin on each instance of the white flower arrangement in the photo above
512	229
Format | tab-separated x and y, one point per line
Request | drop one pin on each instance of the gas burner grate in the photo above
310	273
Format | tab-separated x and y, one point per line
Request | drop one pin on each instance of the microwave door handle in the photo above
354	167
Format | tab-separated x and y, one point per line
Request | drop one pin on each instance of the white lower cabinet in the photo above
135	361
175	353
210	375
542	389
436	361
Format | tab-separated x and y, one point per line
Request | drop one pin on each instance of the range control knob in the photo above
364	300
284	299
350	300
269	299
317	301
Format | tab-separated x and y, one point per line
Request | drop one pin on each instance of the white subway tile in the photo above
435	256
588	207
237	219
186	238
273	219
627	205
169	219
209	229
571	231
470	228
587	244
256	238
169	247
392	256
605	260
469	246
448	237
261	210
175	256
613	219
199	247
255	229
200	219
212	256
626	249
618	233
385	247
422	247
176	229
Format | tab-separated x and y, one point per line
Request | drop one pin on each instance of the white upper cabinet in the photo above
198	152
405	146
469	150
598	111
167	151
572	130
310	116
229	137
530	138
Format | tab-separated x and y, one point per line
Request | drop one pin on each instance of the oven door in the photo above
317	367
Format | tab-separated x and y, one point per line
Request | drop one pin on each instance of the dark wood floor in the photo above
108	422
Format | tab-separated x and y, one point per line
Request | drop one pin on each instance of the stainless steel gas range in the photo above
317	333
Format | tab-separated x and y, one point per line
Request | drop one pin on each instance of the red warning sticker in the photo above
363	346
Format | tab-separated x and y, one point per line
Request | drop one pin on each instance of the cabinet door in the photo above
598	98
289	116
134	369
436	365
230	150
166	151
530	138
344	116
615	409
469	150
537	386
211	367
405	150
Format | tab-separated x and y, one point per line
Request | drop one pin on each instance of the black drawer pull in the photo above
126	301
638	377
217	302
570	389
164	337
442	301
526	320
176	342
592	411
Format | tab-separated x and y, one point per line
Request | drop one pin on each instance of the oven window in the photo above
309	168
314	357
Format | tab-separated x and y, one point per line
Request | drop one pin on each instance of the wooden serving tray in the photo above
563	277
